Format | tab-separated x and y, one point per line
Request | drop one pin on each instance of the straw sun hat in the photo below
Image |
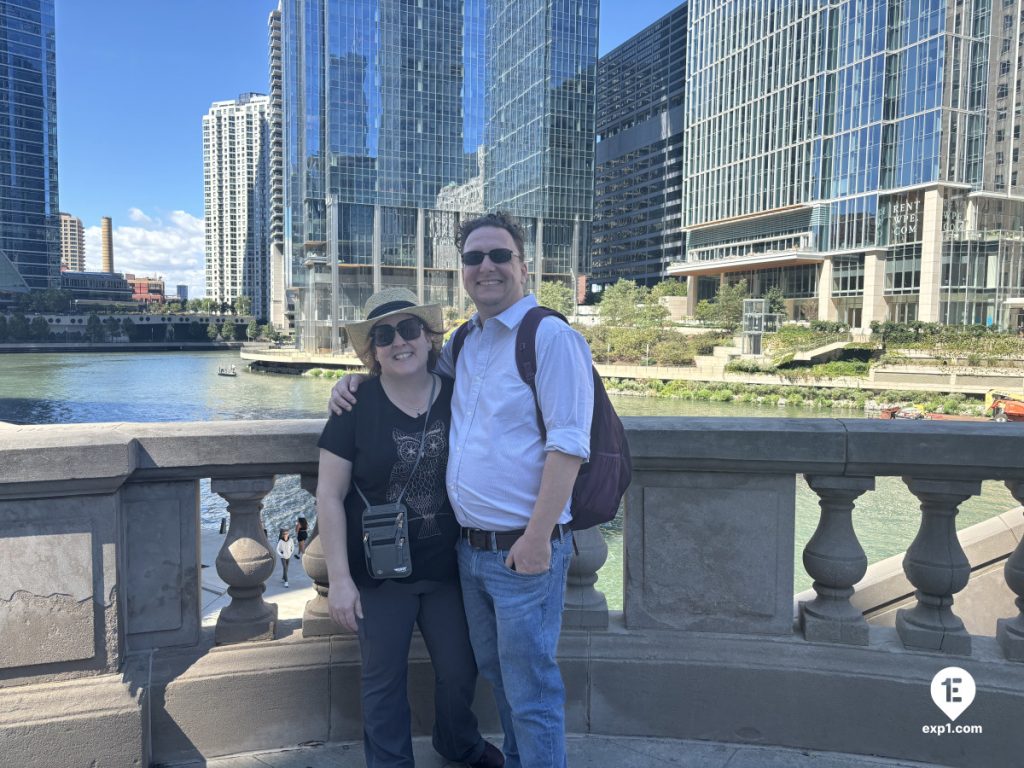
383	304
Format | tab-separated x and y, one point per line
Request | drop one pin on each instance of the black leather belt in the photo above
493	541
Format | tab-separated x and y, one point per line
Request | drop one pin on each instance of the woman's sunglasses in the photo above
498	256
384	335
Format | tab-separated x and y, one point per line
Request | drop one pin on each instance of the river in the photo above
184	386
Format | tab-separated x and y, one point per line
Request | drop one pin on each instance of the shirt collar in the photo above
512	316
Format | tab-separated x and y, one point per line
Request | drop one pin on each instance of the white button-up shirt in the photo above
497	454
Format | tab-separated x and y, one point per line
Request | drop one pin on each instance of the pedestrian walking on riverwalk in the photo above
301	534
285	550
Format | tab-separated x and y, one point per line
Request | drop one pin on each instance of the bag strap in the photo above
458	341
419	453
526	354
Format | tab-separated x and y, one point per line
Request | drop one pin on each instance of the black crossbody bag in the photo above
386	526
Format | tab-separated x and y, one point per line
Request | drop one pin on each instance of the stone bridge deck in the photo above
584	752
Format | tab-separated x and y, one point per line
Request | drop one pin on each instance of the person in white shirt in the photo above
510	486
285	550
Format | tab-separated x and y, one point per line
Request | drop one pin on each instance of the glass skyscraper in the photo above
640	128
862	155
401	118
29	212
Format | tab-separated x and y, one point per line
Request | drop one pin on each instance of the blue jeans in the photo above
514	623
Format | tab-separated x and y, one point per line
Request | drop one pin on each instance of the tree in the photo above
94	328
112	326
669	287
776	300
228	330
212	331
252	331
624	304
17	328
557	295
39	329
243	305
726	311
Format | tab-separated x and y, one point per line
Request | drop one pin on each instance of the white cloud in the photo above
136	214
173	249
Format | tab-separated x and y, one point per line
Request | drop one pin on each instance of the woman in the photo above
301	534
285	548
392	448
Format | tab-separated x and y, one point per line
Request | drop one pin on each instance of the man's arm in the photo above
532	551
565	394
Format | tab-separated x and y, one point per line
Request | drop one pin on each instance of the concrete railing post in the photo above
936	565
1010	632
245	562
316	620
836	561
585	606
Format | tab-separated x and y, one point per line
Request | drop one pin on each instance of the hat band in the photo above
391	306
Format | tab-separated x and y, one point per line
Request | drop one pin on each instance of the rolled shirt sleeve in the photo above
565	387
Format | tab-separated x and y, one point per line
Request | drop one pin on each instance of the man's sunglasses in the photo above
383	335
498	256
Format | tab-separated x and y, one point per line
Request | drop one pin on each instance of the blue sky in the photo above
134	80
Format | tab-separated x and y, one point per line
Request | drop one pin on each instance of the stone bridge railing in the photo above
104	658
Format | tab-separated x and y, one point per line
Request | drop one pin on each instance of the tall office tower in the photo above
107	241
29	224
282	312
72	243
237	200
862	156
638	214
387	144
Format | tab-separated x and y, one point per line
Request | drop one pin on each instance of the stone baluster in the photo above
585	606
245	562
1010	632
836	561
936	565
316	620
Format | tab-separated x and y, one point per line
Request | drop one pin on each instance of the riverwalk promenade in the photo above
111	654
711	368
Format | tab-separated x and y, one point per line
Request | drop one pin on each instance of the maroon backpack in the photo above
604	478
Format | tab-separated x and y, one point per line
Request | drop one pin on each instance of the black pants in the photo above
284	565
390	610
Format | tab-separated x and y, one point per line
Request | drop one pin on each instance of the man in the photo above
510	487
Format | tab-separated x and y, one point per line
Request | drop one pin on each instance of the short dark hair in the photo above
499	220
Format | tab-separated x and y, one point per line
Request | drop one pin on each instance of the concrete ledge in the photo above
757	690
95	722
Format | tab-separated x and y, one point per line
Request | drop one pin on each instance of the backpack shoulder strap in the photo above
526	353
458	340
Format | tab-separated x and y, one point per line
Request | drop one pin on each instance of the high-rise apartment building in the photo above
282	309
402	119
72	243
29	224
863	156
638	225
237	200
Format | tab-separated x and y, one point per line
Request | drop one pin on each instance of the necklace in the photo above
404	406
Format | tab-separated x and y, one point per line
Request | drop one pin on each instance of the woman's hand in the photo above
343	604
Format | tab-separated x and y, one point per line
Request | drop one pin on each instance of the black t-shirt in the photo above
382	442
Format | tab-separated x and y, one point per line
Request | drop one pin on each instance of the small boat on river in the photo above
232	371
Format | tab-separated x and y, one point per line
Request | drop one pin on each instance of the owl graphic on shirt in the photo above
424	495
